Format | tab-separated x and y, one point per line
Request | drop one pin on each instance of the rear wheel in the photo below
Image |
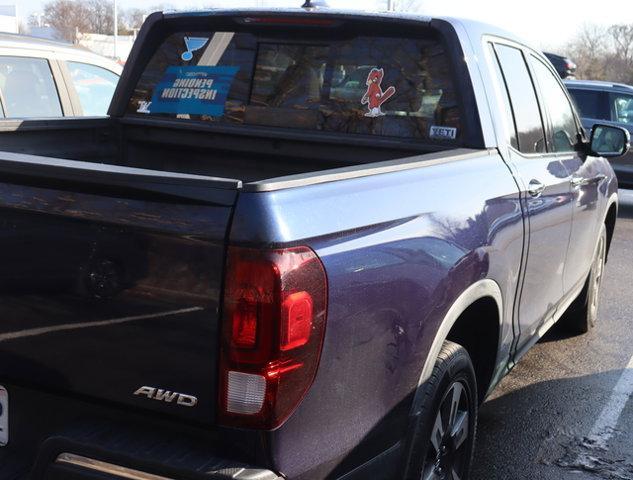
444	439
583	313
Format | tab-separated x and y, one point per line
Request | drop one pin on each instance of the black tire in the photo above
582	314
440	447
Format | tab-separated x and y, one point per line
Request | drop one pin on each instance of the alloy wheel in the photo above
448	453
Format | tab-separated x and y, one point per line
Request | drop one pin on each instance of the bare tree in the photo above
621	59
133	18
34	20
589	50
603	53
67	17
100	16
410	5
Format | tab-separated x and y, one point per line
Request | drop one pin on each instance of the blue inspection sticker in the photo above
193	90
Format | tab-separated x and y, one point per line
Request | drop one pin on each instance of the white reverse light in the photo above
245	393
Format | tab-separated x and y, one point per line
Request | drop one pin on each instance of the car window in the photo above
622	108
561	114
507	106
351	84
591	103
94	85
28	88
523	99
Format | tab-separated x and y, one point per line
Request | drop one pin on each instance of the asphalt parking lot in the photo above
541	421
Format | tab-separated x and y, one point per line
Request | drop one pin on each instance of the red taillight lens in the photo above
296	320
274	321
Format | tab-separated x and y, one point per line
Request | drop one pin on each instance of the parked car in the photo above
563	65
330	284
46	79
611	104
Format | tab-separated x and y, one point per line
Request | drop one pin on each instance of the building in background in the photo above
104	44
9	19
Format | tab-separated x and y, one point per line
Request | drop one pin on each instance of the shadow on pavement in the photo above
539	432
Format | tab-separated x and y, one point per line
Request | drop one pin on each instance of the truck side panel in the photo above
398	249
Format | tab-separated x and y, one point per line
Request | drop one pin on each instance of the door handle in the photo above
535	188
579	182
583	181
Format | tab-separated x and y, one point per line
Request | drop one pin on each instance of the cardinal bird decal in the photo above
375	97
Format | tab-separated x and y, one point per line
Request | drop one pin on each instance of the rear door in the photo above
545	193
110	282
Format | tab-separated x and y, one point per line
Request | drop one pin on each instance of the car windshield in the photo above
386	86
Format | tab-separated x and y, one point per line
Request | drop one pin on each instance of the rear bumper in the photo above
70	466
120	457
62	438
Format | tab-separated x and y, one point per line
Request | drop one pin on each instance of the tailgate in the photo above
110	282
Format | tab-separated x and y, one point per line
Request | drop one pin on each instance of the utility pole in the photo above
116	30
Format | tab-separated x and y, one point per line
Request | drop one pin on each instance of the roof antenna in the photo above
308	5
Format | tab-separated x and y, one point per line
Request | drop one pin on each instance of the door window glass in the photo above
623	108
28	88
591	103
507	107
523	99
95	87
564	128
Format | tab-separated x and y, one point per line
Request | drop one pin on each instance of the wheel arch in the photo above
486	290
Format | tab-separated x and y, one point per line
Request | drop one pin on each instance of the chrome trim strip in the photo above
105	467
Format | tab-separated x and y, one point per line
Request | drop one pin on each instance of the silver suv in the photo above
43	79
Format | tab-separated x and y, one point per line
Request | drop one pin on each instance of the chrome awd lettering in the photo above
167	396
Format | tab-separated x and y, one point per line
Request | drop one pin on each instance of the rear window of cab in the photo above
365	85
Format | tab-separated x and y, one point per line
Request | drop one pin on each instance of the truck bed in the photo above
180	147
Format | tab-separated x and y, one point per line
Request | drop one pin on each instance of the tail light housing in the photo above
274	316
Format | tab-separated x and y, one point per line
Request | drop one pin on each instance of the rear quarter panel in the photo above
398	249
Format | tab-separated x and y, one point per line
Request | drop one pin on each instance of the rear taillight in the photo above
273	325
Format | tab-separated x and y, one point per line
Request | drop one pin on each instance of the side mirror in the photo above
609	142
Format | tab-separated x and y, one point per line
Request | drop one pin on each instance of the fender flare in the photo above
481	289
612	200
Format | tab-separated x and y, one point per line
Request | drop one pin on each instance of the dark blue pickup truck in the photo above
303	245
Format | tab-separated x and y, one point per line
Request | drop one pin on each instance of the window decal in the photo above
443	133
193	44
193	90
374	96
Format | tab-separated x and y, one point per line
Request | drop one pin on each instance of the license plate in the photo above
4	417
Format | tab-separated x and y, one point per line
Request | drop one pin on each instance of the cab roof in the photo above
468	24
24	42
599	85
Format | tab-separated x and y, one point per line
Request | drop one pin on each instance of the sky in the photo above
545	23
